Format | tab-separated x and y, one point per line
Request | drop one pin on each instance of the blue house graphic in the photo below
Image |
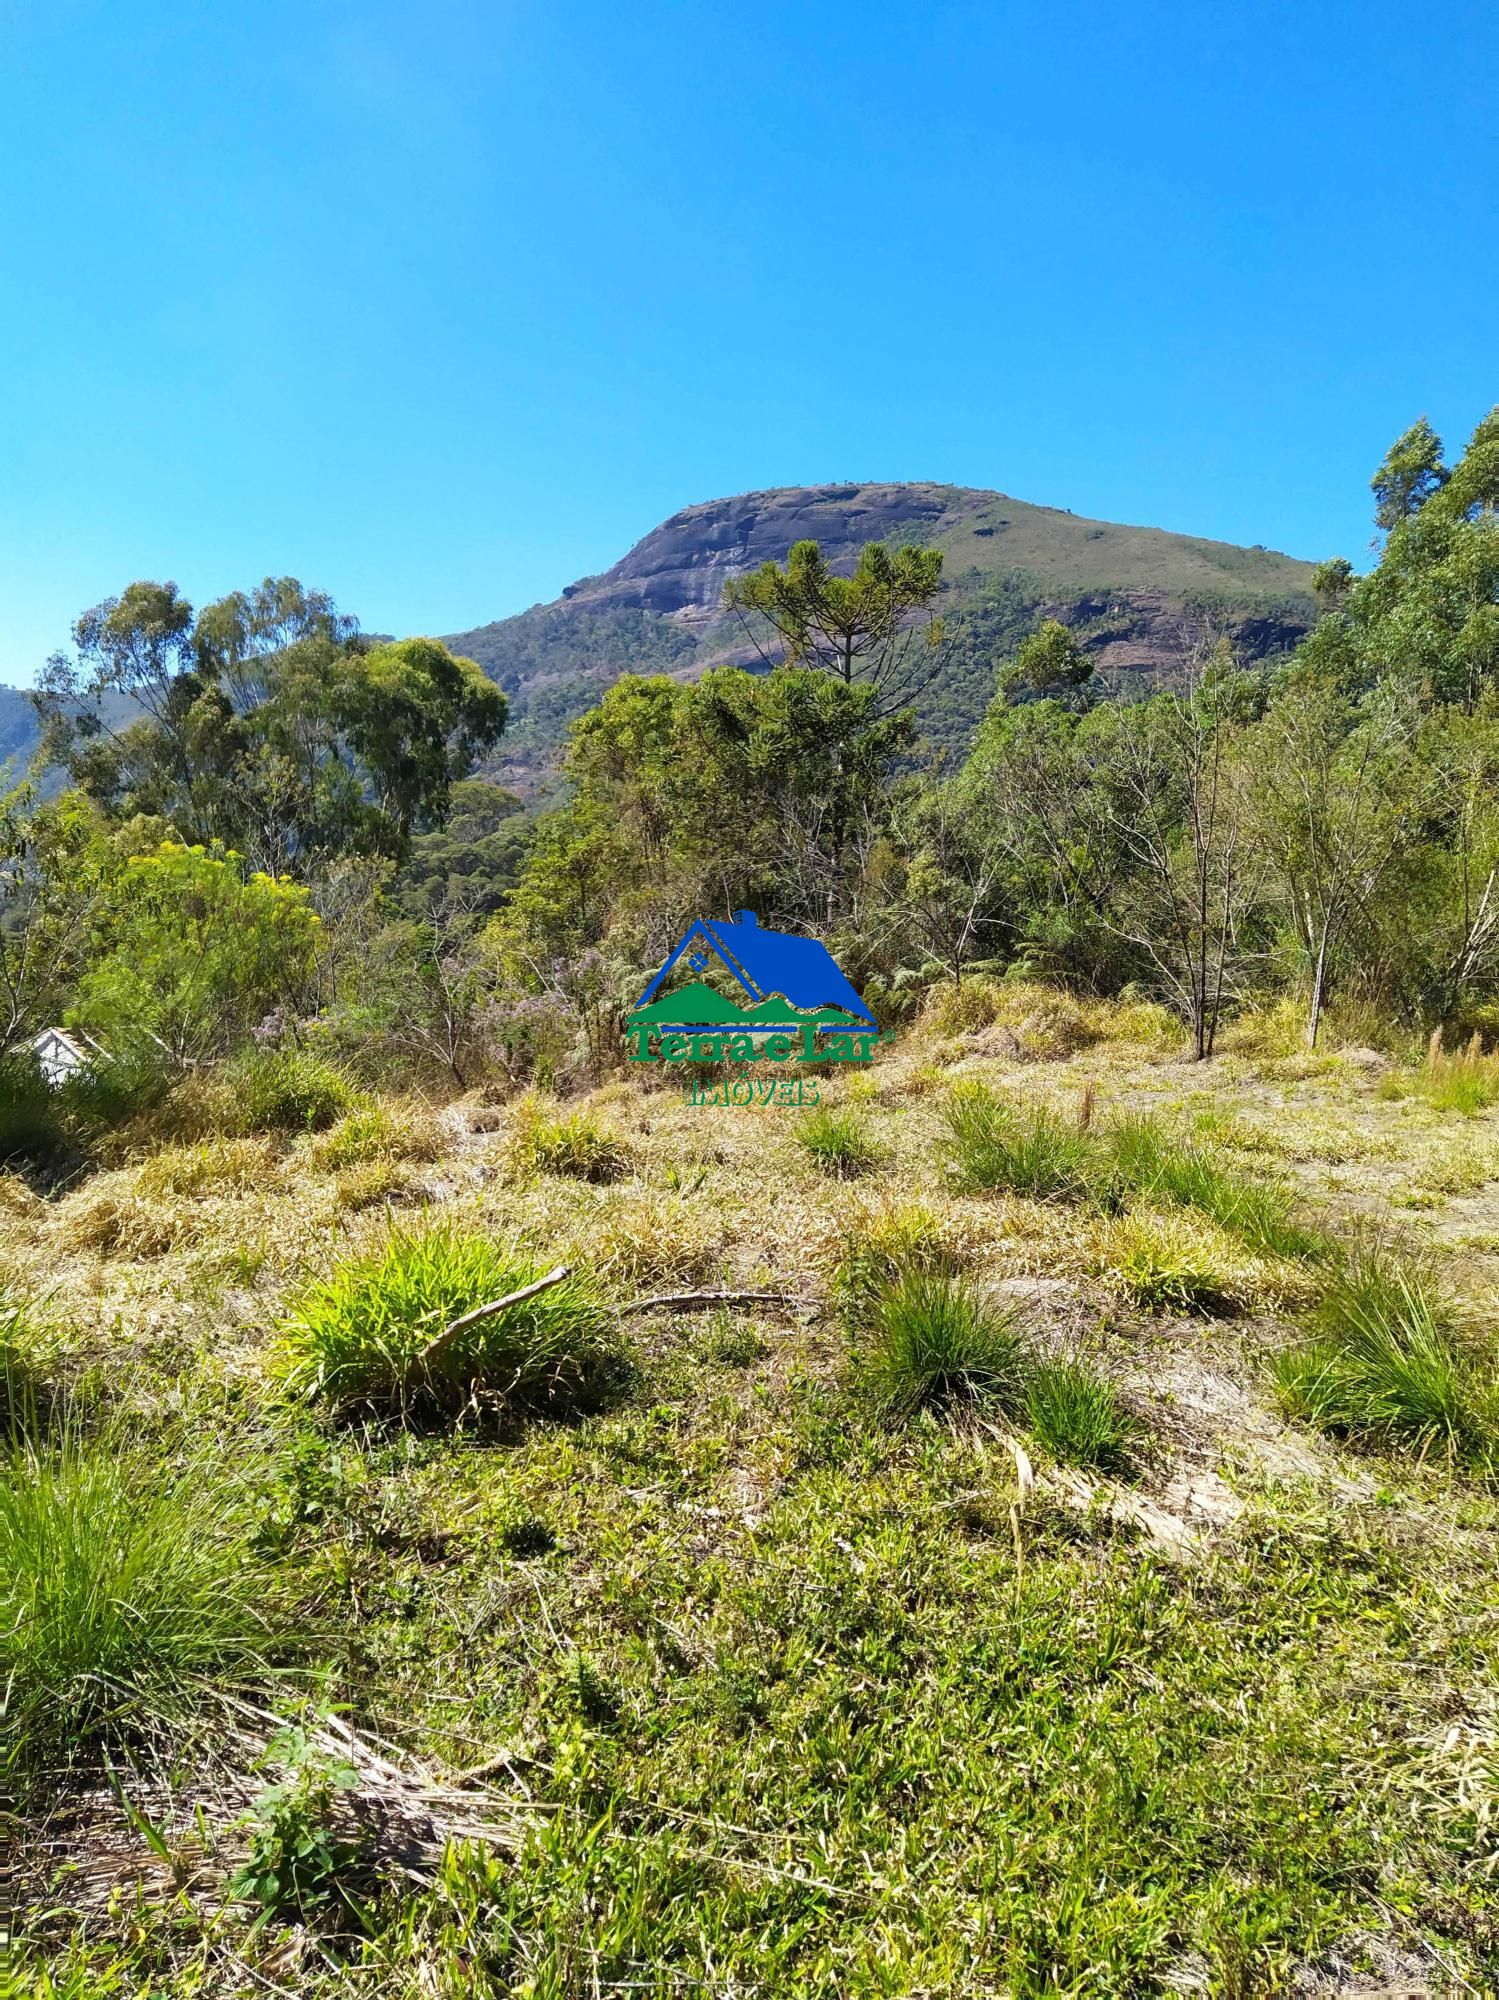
801	969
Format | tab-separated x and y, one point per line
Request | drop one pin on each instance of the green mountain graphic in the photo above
775	1009
698	1006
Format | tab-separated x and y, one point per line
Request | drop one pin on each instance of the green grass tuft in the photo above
356	1338
25	1392
286	1090
1391	1359
129	1581
1466	1081
378	1134
935	1341
881	1248
1144	1160
994	1147
837	1142
1170	1269
575	1144
1076	1414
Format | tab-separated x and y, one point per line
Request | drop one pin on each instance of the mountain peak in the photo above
1131	594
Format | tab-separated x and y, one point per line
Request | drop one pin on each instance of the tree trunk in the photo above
1314	1019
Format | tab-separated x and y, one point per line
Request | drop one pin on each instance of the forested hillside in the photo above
1317	822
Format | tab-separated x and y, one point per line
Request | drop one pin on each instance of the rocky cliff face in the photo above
680	568
1146	635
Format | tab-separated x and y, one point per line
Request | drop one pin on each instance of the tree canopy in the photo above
268	722
876	626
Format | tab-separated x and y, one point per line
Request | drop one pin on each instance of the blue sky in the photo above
441	306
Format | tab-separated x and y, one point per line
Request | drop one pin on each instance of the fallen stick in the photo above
690	1301
506	1760
451	1331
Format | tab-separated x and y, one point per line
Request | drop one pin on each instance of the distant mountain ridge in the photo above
18	730
1135	596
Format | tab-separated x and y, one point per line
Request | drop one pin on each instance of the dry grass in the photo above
925	1080
393	1130
1035	1023
644	1237
212	1166
367	1184
1271	1032
1177	1261
733	1207
111	1218
1460	1168
16	1199
1319	1135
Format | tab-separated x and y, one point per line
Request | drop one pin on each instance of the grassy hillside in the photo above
1072	556
1063	1650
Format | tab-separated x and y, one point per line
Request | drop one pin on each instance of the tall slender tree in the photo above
877	625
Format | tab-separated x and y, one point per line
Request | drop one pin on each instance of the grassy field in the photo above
1077	1578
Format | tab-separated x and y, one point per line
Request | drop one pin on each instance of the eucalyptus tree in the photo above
1428	611
268	722
1335	798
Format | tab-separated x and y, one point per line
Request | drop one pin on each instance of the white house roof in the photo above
57	1041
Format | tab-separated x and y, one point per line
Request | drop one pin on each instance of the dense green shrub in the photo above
31	1127
195	951
108	1093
